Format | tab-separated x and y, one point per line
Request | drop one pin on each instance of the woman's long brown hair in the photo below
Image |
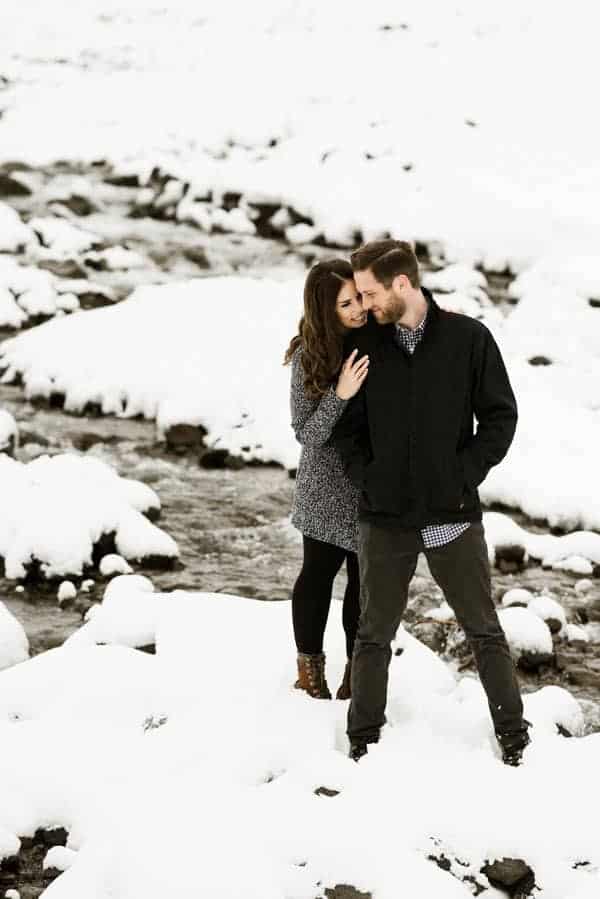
320	333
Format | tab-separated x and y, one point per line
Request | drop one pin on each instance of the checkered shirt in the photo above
434	534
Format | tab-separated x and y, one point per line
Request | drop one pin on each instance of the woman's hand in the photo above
352	375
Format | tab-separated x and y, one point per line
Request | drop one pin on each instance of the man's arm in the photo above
495	409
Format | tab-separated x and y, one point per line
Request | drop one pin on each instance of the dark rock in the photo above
540	360
63	268
11	187
326	791
77	204
160	563
85	440
596	571
510	555
104	546
292	472
149	648
563	731
533	661
51	836
181	438
122	180
220	458
51	873
594	302
198	256
512	874
31	437
230	200
262	222
345	891
93	299
554	624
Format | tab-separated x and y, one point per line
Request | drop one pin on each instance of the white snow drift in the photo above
56	508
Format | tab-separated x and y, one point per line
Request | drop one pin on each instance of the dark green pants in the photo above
388	559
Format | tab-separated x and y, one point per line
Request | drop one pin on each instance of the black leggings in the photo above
311	596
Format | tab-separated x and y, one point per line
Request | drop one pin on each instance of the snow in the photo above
14	235
550	550
152	756
62	237
59	857
56	508
9	430
525	631
517	596
66	591
114	564
575	632
14	645
441	613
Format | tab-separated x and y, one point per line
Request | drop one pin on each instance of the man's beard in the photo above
393	313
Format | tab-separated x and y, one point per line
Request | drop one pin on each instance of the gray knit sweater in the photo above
325	504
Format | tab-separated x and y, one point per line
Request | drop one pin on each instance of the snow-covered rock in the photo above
550	611
66	592
517	596
114	564
9	431
525	632
62	237
14	645
55	509
441	613
13	233
584	586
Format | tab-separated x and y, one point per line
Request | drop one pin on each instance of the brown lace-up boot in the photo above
311	675
344	691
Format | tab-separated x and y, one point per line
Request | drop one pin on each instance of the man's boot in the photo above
311	675
344	691
512	744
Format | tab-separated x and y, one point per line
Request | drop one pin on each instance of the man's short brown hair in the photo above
386	259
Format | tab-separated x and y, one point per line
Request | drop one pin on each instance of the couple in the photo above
384	407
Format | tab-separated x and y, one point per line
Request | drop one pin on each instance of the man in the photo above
408	441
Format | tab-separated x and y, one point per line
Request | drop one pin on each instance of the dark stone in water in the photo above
181	438
533	661
220	458
11	187
510	558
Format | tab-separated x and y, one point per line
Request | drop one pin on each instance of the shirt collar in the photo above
420	327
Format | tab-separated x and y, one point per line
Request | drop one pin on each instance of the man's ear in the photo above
399	283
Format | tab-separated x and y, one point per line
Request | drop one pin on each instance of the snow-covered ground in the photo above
203	759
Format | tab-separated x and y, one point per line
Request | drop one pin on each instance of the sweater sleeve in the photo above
312	420
495	409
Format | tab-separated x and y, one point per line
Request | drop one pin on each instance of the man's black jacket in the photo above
407	438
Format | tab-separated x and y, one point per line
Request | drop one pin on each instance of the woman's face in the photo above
348	306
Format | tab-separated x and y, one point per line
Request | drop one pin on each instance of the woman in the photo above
325	507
